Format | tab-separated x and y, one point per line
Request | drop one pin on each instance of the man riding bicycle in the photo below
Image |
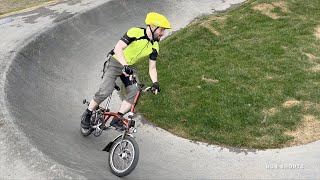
135	44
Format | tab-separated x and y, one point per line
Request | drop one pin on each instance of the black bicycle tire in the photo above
135	160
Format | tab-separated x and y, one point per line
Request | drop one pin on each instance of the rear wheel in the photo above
124	156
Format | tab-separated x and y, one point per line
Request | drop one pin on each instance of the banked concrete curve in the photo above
54	70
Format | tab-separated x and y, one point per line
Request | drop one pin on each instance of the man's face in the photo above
158	33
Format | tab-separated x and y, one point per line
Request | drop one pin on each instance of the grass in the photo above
8	7
225	77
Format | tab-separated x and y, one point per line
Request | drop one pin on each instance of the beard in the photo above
157	37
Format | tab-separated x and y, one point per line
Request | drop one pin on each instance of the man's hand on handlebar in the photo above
127	70
155	89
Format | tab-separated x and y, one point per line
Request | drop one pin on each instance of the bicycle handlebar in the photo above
147	89
133	79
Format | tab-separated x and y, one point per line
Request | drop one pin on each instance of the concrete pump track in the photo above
51	59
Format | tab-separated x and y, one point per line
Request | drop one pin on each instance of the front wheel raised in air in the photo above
124	156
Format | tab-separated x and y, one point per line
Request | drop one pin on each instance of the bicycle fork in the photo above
122	136
108	147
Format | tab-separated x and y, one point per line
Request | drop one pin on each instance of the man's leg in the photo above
125	105
93	105
85	119
113	71
124	108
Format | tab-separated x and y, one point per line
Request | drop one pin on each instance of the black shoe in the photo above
117	124
85	120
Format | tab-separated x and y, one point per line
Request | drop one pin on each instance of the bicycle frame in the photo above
107	114
117	148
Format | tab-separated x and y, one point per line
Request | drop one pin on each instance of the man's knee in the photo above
100	96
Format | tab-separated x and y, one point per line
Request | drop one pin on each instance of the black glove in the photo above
126	69
155	87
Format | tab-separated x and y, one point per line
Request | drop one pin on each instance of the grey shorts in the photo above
113	70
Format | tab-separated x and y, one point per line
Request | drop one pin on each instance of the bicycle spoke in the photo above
125	145
128	162
118	150
122	145
118	163
123	164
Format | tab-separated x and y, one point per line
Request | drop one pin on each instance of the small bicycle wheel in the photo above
124	156
86	132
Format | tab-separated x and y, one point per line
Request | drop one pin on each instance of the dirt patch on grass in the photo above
307	131
315	68
291	103
311	56
313	59
268	77
272	111
282	5
208	24
269	113
317	32
310	105
208	80
220	19
267	9
210	28
307	105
